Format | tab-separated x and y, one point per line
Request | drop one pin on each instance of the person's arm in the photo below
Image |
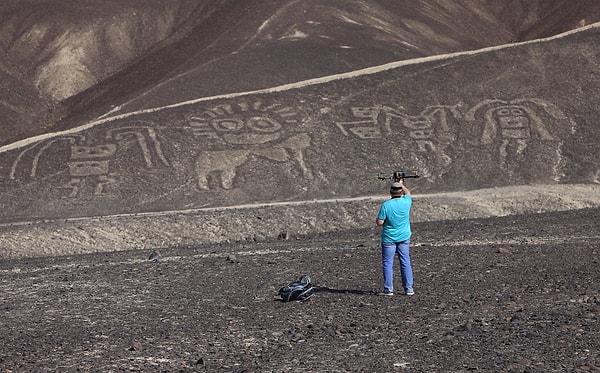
381	214
405	189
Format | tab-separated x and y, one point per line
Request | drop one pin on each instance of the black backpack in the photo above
300	290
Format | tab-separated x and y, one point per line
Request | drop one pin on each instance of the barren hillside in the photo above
166	107
70	60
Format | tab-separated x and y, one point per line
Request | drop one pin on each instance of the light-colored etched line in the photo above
533	240
289	86
223	254
207	209
590	193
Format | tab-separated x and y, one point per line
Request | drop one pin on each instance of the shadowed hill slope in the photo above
61	48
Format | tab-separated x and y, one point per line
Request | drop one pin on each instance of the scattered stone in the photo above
519	365
155	256
588	367
284	235
232	258
137	346
503	250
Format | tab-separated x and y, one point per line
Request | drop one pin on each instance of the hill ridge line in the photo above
285	87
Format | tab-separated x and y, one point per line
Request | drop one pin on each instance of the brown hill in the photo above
84	58
210	111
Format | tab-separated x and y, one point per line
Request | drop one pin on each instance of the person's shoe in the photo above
410	292
386	293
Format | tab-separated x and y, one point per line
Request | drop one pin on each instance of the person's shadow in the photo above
325	289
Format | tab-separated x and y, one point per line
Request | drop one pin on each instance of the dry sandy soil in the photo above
517	293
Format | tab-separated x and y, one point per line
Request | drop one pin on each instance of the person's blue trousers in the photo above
388	251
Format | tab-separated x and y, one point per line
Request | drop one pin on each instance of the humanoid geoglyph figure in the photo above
513	127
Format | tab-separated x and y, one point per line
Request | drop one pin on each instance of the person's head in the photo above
396	189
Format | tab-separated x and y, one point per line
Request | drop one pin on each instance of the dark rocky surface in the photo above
518	293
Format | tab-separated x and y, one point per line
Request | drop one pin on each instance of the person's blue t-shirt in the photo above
395	213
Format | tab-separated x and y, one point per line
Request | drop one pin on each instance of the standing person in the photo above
394	218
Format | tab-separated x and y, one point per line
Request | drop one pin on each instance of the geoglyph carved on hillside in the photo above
513	125
508	126
511	134
237	132
89	164
431	131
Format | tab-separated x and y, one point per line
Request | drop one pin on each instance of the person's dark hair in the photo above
396	189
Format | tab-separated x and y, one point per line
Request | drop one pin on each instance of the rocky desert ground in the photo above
518	293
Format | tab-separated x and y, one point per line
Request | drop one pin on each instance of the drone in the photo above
397	175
